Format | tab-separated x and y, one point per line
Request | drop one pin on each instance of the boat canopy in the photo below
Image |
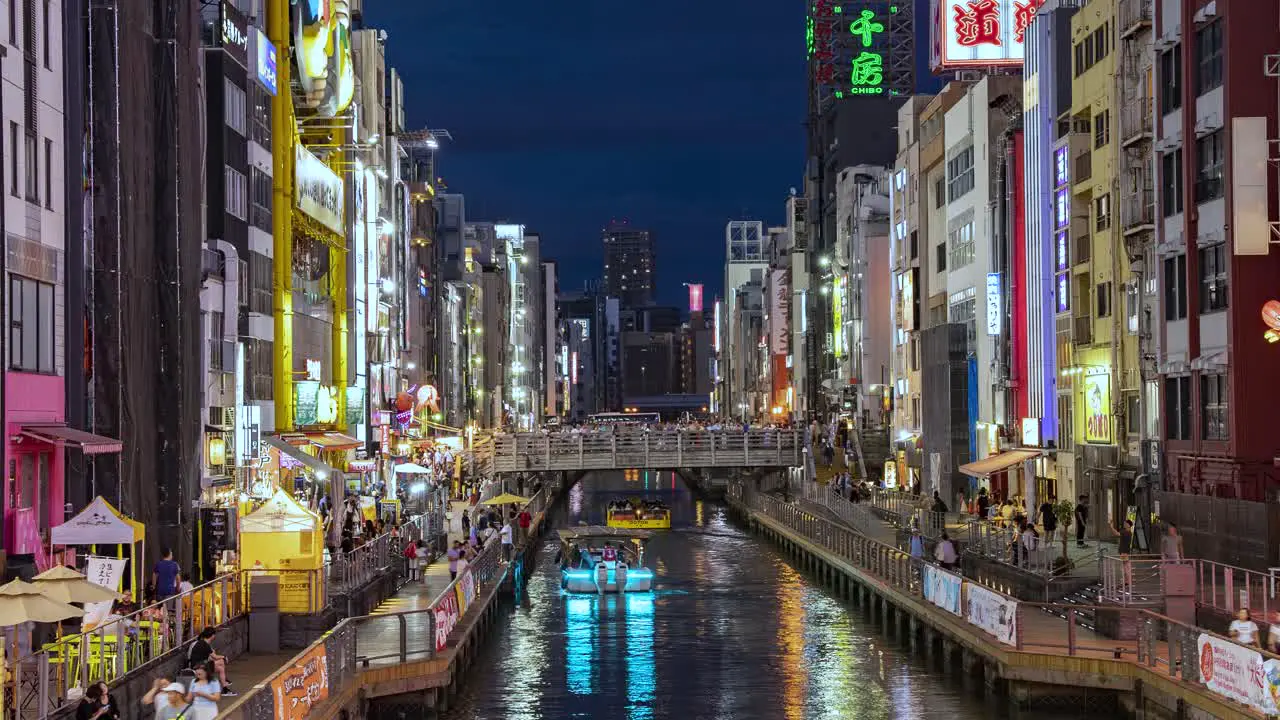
588	532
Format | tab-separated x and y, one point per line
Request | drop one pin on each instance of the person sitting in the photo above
201	652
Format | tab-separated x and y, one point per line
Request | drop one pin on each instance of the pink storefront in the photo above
37	440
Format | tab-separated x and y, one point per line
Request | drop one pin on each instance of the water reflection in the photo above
731	632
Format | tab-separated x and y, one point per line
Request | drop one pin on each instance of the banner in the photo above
943	589
106	572
318	190
1237	672
305	683
446	618
466	589
994	613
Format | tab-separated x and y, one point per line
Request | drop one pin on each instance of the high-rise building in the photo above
629	265
740	322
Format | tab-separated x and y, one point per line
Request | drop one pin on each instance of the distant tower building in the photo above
629	265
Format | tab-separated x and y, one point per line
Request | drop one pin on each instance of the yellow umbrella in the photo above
63	584
22	602
506	499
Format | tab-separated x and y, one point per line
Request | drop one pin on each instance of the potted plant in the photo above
1065	510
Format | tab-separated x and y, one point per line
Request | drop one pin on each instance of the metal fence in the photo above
1135	580
383	639
856	515
43	680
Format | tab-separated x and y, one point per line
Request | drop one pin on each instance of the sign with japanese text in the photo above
446	612
995	308
994	613
466	589
849	46
943	589
106	572
980	33
1097	409
1236	672
302	685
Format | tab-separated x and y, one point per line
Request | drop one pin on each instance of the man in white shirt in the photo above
507	545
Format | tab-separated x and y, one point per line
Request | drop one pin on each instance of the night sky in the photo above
674	115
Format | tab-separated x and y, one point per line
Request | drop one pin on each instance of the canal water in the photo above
731	632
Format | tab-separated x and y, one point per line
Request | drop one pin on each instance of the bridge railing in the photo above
603	450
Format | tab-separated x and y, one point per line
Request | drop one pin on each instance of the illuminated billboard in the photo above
695	298
979	33
322	49
1097	409
318	190
860	47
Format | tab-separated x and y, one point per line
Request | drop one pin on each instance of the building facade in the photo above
630	264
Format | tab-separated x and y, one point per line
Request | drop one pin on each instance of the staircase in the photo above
1085	596
875	448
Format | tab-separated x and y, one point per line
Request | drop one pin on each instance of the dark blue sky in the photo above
675	115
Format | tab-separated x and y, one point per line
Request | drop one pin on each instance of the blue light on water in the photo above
641	674
581	625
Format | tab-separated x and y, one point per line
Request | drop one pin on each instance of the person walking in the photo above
524	520
455	554
165	576
916	544
1243	629
508	544
1171	544
1048	518
411	559
945	552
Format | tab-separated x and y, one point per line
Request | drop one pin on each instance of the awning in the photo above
333	441
87	442
312	462
996	463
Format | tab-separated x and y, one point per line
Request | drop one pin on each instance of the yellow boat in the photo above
659	519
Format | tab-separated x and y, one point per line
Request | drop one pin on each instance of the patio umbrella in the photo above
412	469
506	499
63	584
22	602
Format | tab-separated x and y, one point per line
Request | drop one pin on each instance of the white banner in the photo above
318	190
106	572
1235	672
943	589
994	613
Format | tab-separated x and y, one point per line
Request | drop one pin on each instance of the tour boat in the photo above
639	516
595	559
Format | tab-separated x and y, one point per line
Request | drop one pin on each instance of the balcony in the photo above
1138	211
212	264
1135	121
1082	330
1135	16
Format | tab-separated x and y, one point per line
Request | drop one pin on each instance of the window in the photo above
48	173
962	307
1171	80
45	27
31	325
1209	160
1177	408
13	23
1132	308
1102	212
1214	401
216	320
941	257
960	174
1175	287
1171	182
13	156
1132	414
1101	129
260	283
940	192
33	170
260	199
1103	304
236	201
962	249
1213	278
260	116
234	109
1066	429
1208	57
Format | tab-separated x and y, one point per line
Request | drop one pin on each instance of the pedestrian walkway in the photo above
418	594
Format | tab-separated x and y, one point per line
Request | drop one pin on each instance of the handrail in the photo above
484	570
531	451
899	572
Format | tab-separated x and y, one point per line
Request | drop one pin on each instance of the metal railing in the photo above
1138	208
897	506
1004	545
43	679
1227	588
368	641
1135	580
1135	119
352	570
646	449
855	515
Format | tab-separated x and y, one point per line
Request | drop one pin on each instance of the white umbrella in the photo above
412	469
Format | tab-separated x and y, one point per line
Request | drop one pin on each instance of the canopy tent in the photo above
284	538
412	469
100	523
506	499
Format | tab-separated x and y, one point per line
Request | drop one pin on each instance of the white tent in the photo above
412	469
98	524
280	514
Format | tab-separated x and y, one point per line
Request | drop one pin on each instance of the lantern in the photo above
1271	314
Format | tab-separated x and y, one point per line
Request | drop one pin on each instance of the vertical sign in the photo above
695	298
994	306
1097	406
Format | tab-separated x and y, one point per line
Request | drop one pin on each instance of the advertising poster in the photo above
446	619
994	613
318	190
1237	673
299	688
466	589
106	572
943	589
1097	409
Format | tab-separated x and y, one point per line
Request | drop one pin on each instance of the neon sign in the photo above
980	33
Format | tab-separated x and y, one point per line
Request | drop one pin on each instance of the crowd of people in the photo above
641	508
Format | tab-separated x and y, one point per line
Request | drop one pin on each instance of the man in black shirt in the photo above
201	653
